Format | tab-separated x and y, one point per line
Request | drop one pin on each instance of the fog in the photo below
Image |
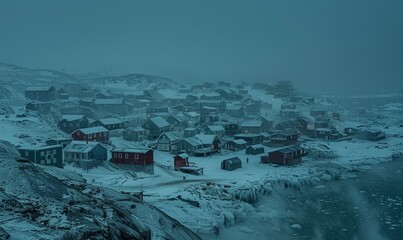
338	45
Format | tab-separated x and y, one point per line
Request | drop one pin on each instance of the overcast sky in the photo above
320	44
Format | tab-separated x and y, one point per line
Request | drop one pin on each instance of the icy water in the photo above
369	206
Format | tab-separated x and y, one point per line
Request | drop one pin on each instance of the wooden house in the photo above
134	133
267	123
284	138
181	160
77	110
70	123
193	118
231	164
250	138
209	119
111	106
108	123
318	112
178	121
286	156
190	132
372	134
41	107
156	126
230	128
236	111
165	142
236	145
251	126
290	113
215	130
220	105
44	155
96	134
133	156
210	96
82	151
199	145
228	94
326	133
41	93
254	149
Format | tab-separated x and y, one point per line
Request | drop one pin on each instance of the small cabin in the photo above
284	138
181	160
96	134
231	164
255	149
286	156
236	145
135	156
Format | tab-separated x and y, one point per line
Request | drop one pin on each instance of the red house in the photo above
181	160
134	156
96	134
286	156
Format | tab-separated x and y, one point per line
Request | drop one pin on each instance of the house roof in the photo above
233	160
39	88
256	146
172	136
108	101
109	121
136	129
130	150
159	122
216	128
261	117
70	118
179	117
36	148
192	114
206	139
289	149
193	141
183	155
81	146
92	130
239	141
252	123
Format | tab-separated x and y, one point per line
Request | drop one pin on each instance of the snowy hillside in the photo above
15	79
47	203
133	82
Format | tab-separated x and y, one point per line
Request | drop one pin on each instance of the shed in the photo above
231	164
254	149
181	160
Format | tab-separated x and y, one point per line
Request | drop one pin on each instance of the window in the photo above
126	155
120	155
42	154
115	155
136	156
54	151
26	153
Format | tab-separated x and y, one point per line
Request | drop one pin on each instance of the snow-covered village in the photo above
187	120
201	153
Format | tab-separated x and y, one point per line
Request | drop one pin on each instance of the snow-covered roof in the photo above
109	101
109	121
81	146
183	155
206	139
239	141
92	130
136	129
264	118
192	114
172	136
70	118
252	123
159	122
130	150
40	147
256	146
216	128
